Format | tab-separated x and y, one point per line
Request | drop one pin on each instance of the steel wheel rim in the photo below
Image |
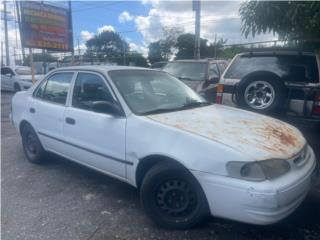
259	94
175	198
31	144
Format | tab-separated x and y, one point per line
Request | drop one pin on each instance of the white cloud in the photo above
86	35
139	48
105	28
217	17
125	17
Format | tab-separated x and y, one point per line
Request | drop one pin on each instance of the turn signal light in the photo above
219	94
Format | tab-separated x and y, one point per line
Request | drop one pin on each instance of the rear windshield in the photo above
191	71
293	68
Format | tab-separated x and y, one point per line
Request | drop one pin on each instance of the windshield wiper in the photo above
184	106
195	104
161	110
185	78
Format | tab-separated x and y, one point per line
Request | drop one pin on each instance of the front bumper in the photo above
260	203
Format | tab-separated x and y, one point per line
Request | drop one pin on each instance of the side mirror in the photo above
106	107
10	75
213	80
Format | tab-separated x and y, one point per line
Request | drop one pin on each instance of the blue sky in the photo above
89	16
141	22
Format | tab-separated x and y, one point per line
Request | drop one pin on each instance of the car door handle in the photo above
32	110
70	121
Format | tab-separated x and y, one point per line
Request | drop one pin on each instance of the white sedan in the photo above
17	78
189	158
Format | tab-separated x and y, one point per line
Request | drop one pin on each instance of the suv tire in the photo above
172	197
261	92
31	145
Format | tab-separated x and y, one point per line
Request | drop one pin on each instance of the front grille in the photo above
302	157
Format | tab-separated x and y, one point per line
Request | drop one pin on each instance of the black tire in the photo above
32	146
173	198
17	87
275	82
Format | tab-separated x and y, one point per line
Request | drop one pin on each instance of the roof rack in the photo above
278	49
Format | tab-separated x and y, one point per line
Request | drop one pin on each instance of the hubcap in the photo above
175	198
31	144
259	95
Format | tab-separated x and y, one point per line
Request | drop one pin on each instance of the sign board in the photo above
45	26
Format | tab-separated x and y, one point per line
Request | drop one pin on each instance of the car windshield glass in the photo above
23	71
148	92
192	71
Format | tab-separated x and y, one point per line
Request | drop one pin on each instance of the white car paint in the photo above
23	81
203	140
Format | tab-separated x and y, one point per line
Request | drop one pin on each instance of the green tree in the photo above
163	49
137	59
291	20
106	46
185	47
40	57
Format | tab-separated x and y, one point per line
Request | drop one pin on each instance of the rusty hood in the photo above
258	136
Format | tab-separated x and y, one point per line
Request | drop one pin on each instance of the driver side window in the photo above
89	89
213	71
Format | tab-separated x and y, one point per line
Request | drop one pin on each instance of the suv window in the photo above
6	70
88	89
192	71
293	68
56	88
213	71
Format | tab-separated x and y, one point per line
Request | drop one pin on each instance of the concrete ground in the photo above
64	201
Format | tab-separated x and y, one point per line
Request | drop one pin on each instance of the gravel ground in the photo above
65	201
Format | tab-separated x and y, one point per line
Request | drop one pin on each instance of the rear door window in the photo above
292	68
56	88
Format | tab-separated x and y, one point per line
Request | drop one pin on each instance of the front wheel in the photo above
173	198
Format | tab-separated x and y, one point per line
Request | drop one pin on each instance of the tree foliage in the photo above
292	20
40	57
106	46
163	49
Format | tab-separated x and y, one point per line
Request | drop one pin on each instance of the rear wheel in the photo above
173	198
31	145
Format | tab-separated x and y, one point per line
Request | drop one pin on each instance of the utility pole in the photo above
6	32
197	8
78	49
70	34
124	53
2	64
19	24
215	46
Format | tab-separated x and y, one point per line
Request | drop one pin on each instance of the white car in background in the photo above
17	78
189	158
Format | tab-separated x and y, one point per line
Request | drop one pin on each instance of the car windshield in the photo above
192	71
23	71
150	92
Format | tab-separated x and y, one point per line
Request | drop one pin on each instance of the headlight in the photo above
258	171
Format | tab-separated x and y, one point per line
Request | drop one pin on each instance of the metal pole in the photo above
215	46
19	24
32	65
2	64
197	9
6	33
124	53
78	50
70	27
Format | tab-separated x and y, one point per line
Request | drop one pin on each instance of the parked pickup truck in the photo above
278	82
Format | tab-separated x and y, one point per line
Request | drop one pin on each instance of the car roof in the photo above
200	60
276	51
101	68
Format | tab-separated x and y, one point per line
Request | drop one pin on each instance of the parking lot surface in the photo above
65	201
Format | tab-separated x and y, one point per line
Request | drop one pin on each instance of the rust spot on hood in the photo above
286	138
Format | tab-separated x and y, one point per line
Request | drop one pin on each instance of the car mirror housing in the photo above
107	108
9	75
213	80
